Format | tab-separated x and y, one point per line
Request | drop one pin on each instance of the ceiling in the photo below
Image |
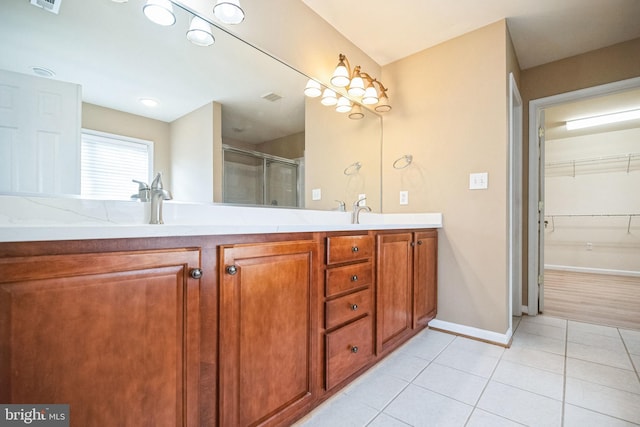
542	30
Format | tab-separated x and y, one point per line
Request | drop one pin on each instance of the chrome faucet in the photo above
156	195
357	208
143	191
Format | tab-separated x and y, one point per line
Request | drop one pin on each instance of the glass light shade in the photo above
159	12
344	105
356	112
329	97
383	105
200	32
229	11
312	90
356	87
370	95
340	77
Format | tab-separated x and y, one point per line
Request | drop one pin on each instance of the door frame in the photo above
535	261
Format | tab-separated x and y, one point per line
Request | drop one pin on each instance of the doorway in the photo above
573	212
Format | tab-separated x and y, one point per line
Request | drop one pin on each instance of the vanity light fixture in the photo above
343	105
313	89
229	11
356	112
159	12
329	97
200	32
604	119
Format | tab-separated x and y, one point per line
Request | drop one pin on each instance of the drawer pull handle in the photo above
354	278
354	349
354	249
419	242
231	270
196	273
354	307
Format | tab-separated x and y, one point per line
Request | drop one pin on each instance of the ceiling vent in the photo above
273	97
52	6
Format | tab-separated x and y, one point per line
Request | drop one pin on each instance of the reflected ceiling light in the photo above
229	11
343	105
160	12
356	112
329	97
604	119
313	89
149	102
200	32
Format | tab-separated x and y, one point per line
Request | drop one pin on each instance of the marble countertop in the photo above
42	218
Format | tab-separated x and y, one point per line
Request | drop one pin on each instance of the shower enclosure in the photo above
254	178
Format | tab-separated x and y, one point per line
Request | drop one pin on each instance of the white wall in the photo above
598	188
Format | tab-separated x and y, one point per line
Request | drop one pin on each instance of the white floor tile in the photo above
538	342
531	379
467	361
635	358
477	347
594	329
402	365
427	345
376	390
616	358
575	416
631	340
535	358
452	383
481	418
598	340
341	410
545	320
520	405
384	420
621	379
544	330
605	400
419	407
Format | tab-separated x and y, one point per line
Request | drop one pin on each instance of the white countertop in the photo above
43	218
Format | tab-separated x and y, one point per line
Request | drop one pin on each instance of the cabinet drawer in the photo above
348	248
348	349
346	308
343	279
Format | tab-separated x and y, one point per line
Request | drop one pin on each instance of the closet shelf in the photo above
597	164
553	217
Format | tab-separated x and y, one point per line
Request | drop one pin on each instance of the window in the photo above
109	163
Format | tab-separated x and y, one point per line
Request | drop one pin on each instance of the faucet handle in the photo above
141	185
341	206
157	182
357	202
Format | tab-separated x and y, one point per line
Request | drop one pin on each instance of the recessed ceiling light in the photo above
149	102
42	71
604	119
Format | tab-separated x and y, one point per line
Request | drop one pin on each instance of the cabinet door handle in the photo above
196	273
354	307
354	349
354	278
412	244
419	242
354	249
231	270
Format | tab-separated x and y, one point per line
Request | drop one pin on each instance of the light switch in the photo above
404	197
478	181
316	194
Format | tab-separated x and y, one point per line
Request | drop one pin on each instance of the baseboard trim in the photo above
592	270
525	309
471	332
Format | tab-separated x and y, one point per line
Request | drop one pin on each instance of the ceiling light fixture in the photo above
604	119
200	32
229	11
358	84
149	102
159	12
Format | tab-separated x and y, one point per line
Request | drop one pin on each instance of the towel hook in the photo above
353	168
403	161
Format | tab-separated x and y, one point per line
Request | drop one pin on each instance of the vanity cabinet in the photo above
113	334
406	282
266	331
348	307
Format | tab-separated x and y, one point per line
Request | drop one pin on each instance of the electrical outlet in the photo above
316	194
589	246
404	197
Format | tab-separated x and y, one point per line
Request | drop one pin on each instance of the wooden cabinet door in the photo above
267	294
394	289
114	335
425	284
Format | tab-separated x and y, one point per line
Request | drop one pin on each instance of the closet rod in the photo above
553	217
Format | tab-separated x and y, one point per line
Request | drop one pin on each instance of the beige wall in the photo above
289	147
120	123
610	64
450	113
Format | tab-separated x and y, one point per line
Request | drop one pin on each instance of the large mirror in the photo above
216	105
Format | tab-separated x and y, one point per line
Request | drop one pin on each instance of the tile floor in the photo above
556	373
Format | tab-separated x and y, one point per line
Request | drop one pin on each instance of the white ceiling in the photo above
542	30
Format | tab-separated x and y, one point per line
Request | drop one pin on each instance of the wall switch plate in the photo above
316	194
478	181
404	197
